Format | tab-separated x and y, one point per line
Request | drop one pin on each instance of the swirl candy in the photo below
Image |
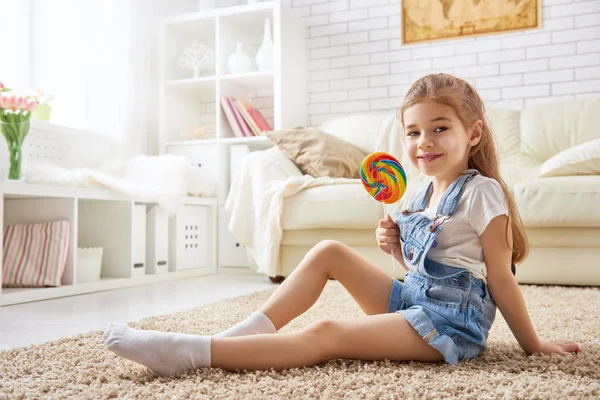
383	177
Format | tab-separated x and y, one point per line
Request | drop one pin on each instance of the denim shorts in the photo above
454	315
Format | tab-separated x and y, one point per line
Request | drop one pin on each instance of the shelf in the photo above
251	21
253	81
256	80
247	140
191	142
227	140
25	295
20	190
246	9
201	84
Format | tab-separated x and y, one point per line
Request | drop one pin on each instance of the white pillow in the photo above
583	159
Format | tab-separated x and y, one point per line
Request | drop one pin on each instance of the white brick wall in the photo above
358	64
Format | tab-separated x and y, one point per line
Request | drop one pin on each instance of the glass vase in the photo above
15	134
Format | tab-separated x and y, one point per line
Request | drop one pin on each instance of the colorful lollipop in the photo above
384	178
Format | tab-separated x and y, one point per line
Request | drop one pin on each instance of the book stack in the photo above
244	119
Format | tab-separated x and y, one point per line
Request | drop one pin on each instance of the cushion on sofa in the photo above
549	129
579	160
559	201
318	154
506	128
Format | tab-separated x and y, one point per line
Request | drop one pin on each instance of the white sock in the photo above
163	352
257	323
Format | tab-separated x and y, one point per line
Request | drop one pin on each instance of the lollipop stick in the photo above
393	256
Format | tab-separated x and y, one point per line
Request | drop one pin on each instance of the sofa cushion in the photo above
579	160
318	153
549	129
518	168
506	128
559	201
343	206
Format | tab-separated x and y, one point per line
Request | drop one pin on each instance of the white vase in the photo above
264	56
239	62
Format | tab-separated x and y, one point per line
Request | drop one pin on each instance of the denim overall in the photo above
451	309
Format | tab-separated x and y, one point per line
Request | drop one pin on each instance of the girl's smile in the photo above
429	157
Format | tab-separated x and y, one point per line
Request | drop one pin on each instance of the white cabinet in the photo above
192	122
237	153
157	241
188	247
118	224
138	242
231	252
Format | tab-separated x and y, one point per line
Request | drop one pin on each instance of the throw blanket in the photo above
266	178
255	203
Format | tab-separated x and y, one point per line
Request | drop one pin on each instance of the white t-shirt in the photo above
458	244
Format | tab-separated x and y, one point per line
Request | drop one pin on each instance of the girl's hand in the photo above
562	348
388	236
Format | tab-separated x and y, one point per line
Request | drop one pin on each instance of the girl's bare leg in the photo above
367	284
377	337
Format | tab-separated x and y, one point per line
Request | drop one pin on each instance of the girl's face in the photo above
437	143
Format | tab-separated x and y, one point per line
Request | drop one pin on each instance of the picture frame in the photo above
436	20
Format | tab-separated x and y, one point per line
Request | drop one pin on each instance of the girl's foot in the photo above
164	353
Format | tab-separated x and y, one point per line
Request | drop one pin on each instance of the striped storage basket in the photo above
35	254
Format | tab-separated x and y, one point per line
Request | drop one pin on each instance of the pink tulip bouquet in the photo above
15	118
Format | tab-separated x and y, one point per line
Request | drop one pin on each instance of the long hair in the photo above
468	106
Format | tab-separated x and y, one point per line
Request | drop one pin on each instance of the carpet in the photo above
81	367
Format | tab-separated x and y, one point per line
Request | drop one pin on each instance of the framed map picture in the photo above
428	20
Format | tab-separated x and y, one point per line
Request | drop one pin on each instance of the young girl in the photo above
457	240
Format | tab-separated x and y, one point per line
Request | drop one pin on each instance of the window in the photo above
14	58
76	51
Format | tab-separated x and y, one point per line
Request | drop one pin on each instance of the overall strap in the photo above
419	200
449	200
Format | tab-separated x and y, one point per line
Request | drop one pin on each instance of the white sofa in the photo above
561	214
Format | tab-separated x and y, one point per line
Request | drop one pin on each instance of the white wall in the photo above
357	62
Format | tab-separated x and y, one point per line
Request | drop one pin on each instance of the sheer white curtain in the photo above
14	56
79	57
99	60
140	105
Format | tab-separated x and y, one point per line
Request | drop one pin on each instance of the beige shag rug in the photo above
80	367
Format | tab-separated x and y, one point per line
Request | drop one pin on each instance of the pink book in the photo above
237	131
245	129
260	119
247	117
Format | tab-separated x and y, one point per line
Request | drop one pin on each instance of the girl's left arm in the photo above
506	293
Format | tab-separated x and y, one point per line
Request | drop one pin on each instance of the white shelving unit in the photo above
187	103
99	217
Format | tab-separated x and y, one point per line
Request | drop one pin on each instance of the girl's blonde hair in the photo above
468	106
